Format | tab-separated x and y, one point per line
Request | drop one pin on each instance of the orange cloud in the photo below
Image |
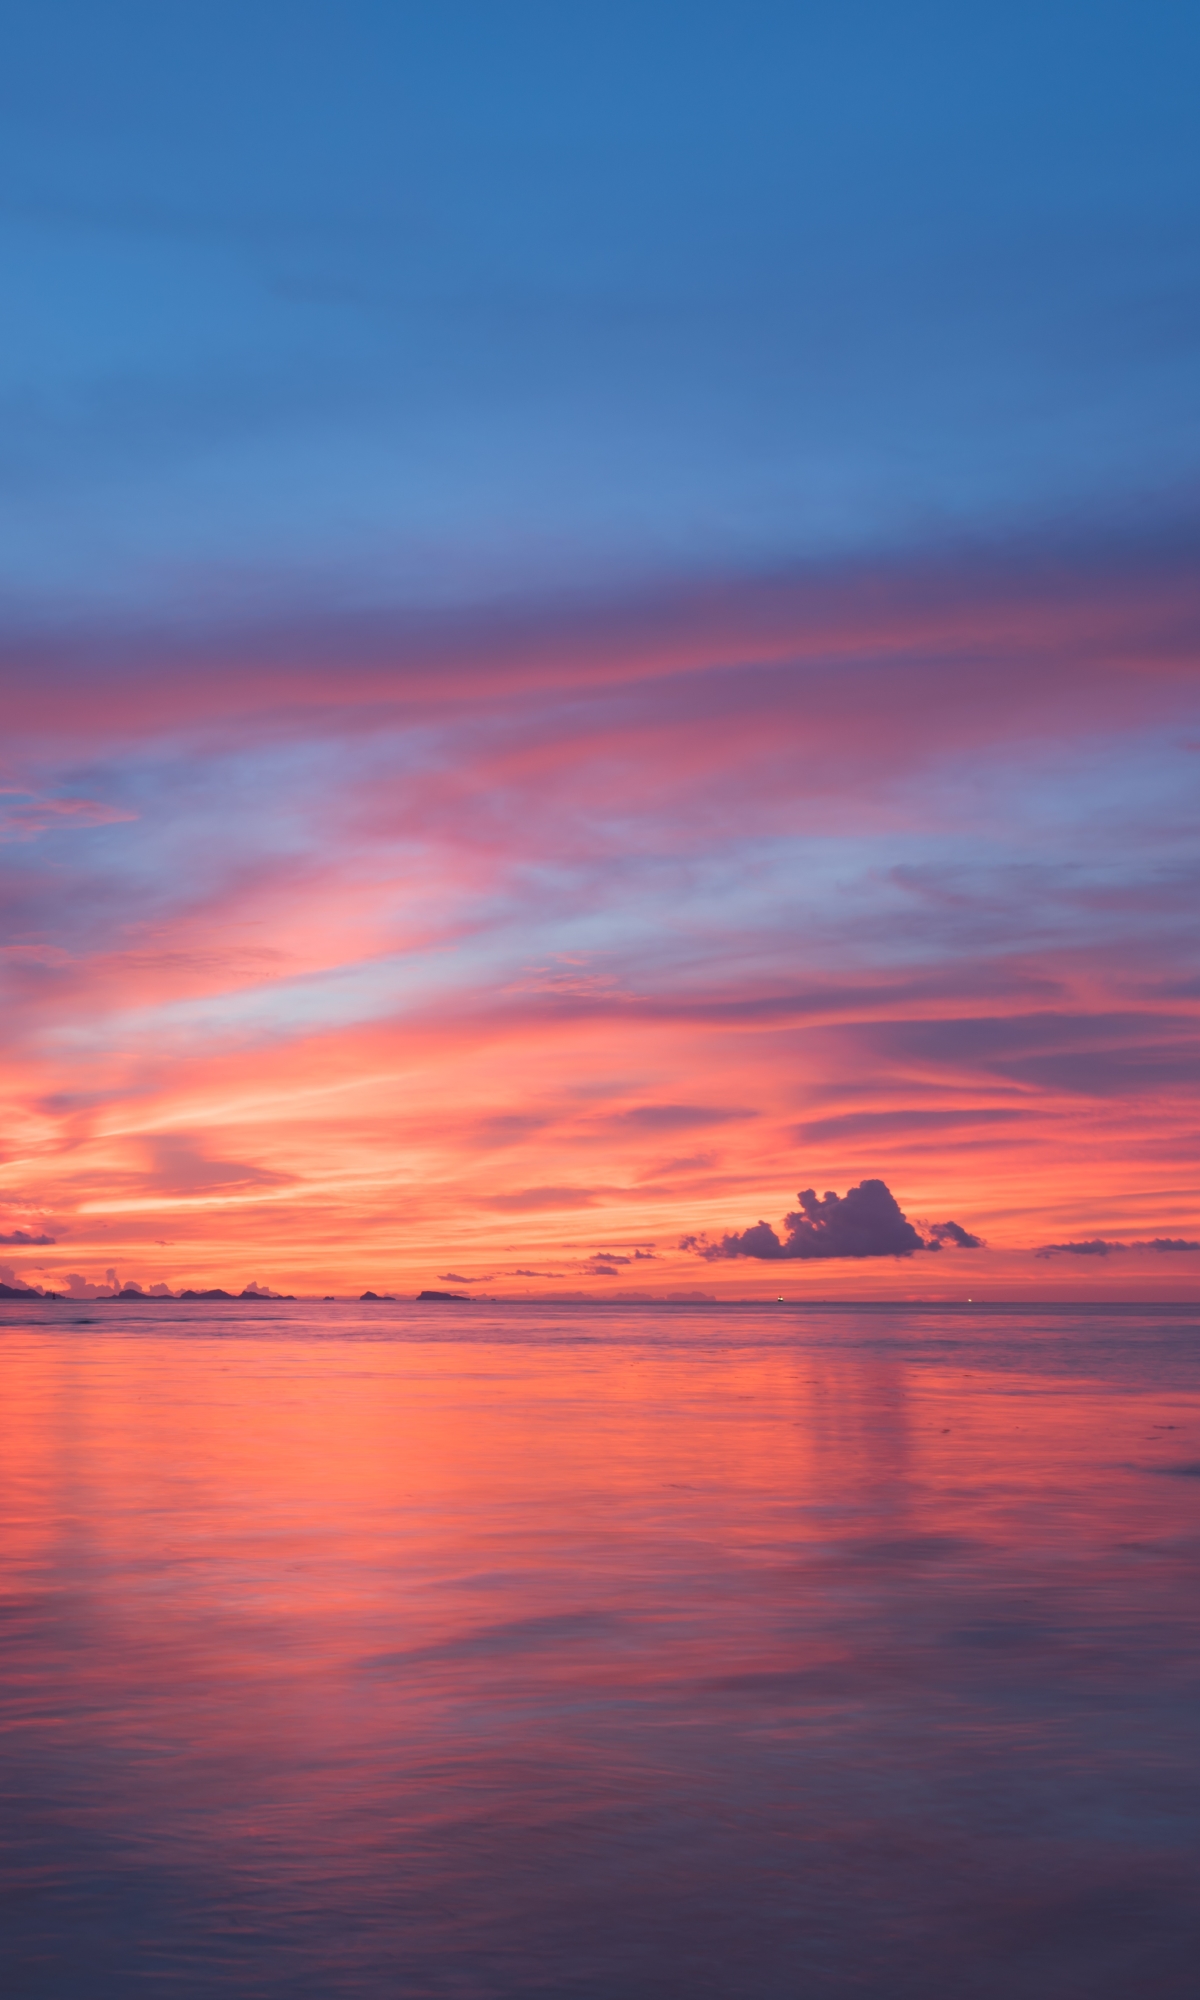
400	947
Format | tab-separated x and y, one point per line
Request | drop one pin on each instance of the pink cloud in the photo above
978	628
442	926
23	818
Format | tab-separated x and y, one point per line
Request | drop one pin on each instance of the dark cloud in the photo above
21	1236
1094	1055
1100	1246
864	1222
1095	1246
896	1124
676	1117
952	1232
457	1278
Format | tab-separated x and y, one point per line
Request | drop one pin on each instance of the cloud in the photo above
180	1165
676	1117
952	1232
79	1287
1095	1246
1101	1246
899	1124
541	1197
1105	1054
1113	612
672	791
459	1278
21	1236
31	816
864	1222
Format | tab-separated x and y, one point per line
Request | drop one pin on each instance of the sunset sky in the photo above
599	627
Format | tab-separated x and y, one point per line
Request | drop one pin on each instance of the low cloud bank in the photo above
864	1222
1102	1246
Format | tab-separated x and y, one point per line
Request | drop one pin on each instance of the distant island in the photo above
442	1295
133	1295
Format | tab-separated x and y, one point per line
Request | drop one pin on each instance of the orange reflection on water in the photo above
590	1655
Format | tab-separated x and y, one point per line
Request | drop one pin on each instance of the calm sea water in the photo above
500	1651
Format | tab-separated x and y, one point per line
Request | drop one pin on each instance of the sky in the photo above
598	622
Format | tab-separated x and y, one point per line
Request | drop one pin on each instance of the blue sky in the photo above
410	304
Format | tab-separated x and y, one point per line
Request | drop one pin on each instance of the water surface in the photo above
499	1651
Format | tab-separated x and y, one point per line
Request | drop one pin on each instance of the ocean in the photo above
374	1652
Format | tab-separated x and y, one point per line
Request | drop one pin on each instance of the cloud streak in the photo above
1100	1246
23	818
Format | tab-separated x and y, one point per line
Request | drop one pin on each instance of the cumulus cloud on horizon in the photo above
864	1222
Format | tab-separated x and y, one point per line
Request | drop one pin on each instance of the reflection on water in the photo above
523	1652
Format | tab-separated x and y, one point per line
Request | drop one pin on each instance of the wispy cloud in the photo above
1100	1246
755	837
23	817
